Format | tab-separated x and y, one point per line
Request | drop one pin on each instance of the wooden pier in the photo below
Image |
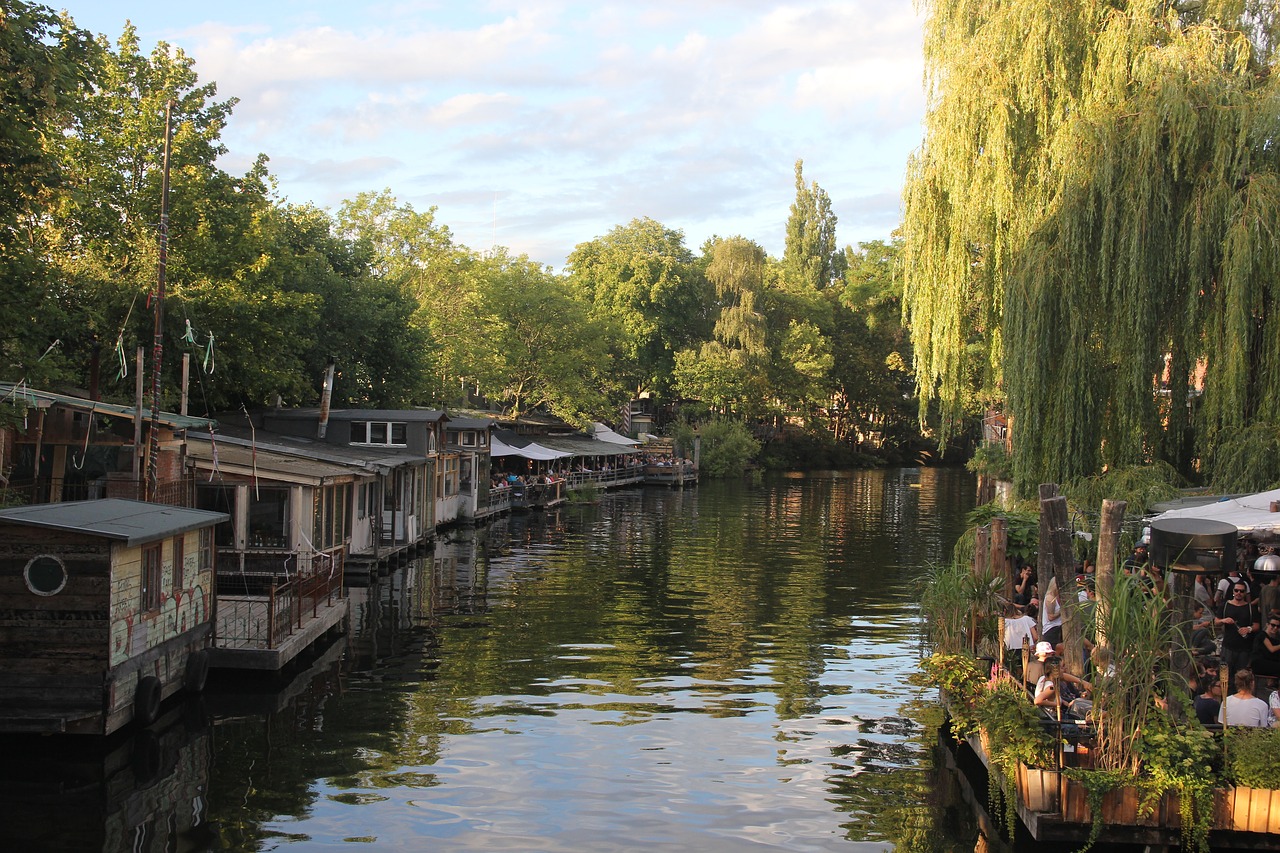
265	632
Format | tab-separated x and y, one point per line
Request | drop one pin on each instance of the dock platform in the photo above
246	639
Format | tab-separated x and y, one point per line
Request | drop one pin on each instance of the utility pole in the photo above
157	347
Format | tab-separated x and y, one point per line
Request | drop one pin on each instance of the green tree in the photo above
731	370
648	286
45	66
537	345
411	251
872	369
811	258
102	232
1091	216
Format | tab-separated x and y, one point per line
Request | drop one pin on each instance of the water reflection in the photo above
145	790
712	669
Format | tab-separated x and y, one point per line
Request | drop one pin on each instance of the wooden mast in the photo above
157	347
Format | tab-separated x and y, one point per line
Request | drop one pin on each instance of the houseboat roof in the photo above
463	422
407	415
130	522
242	460
11	393
365	457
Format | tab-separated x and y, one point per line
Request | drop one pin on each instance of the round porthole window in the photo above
45	575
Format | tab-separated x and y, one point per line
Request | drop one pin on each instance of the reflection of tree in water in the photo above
903	788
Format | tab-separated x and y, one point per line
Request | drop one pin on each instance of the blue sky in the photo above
539	125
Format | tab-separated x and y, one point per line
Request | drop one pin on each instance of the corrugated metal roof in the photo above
364	456
268	465
44	399
131	522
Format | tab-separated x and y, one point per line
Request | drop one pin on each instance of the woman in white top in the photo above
1052	614
1242	708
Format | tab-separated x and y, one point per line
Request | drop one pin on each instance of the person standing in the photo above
1266	653
1239	623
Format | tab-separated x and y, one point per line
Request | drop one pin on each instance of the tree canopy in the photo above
1089	226
263	294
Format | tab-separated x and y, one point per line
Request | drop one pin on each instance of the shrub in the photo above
727	448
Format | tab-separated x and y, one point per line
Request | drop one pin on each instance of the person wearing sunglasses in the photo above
1240	627
1266	653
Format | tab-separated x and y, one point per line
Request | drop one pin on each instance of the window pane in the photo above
179	556
220	499
268	518
377	433
398	434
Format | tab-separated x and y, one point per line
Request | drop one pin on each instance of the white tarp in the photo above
498	447
1249	513
600	432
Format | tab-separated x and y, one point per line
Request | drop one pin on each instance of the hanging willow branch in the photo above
1109	174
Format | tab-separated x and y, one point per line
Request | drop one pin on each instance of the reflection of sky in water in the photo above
757	702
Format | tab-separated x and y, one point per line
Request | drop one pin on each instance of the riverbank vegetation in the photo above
1139	746
261	292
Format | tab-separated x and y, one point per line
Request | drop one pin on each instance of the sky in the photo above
541	124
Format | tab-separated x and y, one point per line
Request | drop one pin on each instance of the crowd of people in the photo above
1235	628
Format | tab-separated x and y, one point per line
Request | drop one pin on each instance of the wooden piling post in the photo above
1108	555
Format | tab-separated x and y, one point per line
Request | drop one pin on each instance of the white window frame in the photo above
362	431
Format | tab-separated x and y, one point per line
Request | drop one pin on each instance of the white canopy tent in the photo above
600	432
1250	513
499	448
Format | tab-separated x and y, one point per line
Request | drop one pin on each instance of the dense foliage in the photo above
1090	226
262	294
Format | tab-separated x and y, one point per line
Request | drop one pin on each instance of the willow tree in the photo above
1093	215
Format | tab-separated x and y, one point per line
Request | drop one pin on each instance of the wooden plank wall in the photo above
53	649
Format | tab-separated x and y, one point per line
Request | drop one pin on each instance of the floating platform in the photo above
245	639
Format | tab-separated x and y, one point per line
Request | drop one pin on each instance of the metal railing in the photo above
179	492
266	621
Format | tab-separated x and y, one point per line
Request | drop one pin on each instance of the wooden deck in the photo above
1054	809
265	632
670	475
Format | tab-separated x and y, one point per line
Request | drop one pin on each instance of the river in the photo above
715	669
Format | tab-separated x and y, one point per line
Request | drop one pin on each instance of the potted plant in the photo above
962	680
1020	752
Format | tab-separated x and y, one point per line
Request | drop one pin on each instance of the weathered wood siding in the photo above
53	649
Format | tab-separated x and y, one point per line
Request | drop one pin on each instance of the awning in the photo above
600	432
1250	513
499	448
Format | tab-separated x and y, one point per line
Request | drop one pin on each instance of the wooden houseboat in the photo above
468	440
415	501
68	448
286	515
107	609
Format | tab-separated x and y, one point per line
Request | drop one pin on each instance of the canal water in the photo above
719	668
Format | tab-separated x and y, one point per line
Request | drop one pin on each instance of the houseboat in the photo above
107	608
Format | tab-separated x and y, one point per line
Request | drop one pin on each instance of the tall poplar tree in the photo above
1091	216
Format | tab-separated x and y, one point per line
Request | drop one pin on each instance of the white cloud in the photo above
580	116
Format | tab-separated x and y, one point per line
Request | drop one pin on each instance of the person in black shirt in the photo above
1239	623
1209	701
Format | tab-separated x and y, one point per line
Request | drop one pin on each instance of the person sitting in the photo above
1242	708
1057	688
1024	588
1209	702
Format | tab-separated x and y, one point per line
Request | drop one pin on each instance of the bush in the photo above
727	448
